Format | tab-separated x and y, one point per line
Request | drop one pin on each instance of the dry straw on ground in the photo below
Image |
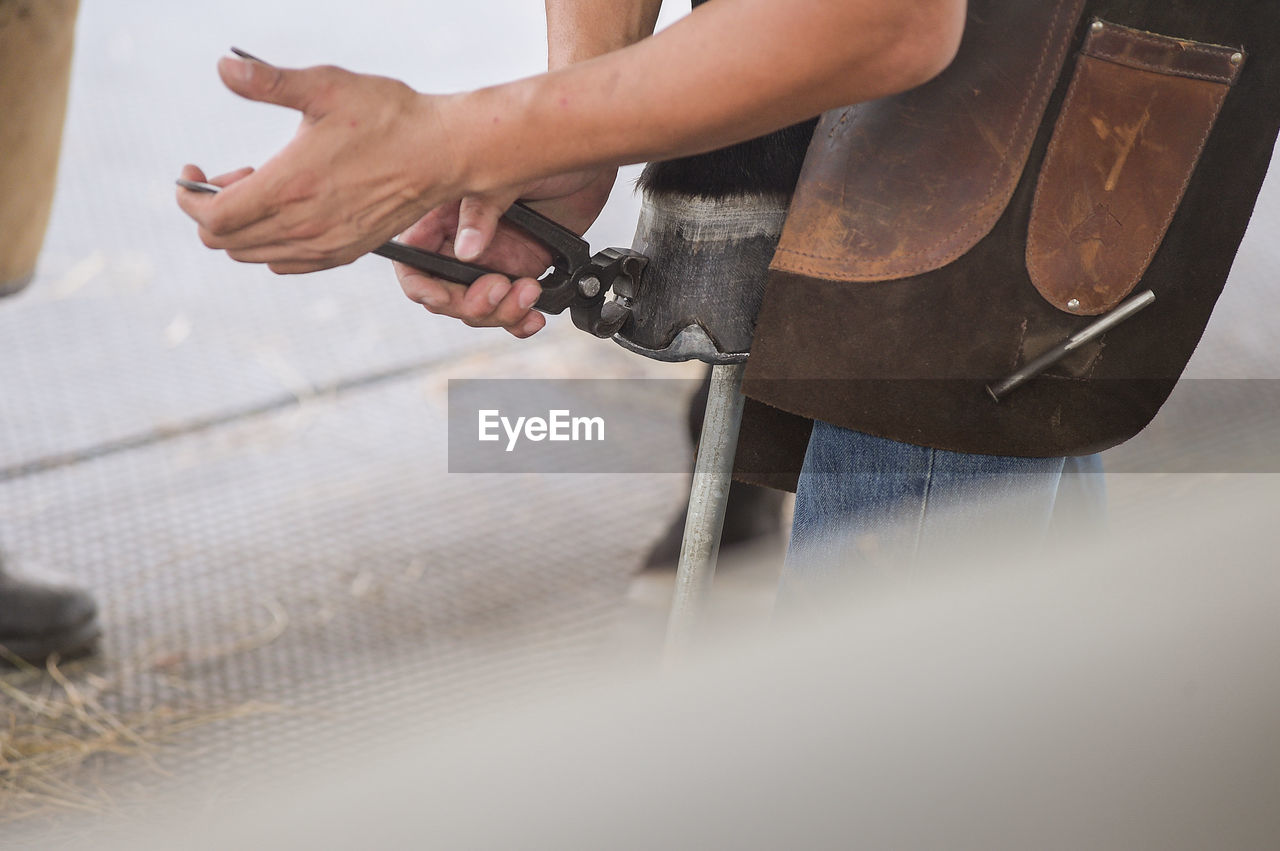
57	738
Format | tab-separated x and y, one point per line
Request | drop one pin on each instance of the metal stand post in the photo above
712	475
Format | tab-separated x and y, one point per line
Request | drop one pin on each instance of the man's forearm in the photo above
727	72
584	29
373	155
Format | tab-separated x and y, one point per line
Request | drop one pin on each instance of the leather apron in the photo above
1075	152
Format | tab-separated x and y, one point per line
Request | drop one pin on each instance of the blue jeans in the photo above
875	506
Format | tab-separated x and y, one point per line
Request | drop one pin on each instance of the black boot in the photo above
752	514
38	620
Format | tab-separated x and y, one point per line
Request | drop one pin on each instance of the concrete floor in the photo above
250	471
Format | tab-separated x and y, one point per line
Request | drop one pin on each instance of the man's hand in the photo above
471	230
367	159
372	156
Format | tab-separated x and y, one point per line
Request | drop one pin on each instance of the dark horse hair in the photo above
768	165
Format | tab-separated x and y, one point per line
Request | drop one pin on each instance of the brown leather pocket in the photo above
1134	121
906	184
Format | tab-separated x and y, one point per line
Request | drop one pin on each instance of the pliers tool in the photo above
598	289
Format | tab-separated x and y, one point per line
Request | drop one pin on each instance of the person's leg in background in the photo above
868	508
1080	511
37	620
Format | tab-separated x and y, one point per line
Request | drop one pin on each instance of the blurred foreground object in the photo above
36	39
1123	697
37	620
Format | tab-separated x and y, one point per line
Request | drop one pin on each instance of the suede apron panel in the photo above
1142	174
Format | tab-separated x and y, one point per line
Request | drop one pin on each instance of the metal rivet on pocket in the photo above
1237	58
1097	26
1074	304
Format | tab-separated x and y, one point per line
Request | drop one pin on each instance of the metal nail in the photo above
1094	329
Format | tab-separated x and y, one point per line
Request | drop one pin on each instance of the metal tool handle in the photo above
570	253
1095	329
436	265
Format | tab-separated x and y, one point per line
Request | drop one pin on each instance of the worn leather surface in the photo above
1162	54
907	359
1137	114
902	185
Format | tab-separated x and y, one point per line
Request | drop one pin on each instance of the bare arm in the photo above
584	29
576	30
731	70
372	155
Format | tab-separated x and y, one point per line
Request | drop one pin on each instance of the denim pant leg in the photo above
868	506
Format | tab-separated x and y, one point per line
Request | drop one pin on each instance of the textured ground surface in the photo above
249	471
